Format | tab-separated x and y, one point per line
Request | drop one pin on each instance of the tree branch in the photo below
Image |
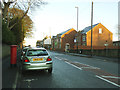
20	18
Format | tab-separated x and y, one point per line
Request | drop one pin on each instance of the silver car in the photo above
23	52
37	59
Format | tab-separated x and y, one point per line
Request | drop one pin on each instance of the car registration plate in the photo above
37	59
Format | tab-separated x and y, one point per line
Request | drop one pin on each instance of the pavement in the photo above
89	56
10	75
98	57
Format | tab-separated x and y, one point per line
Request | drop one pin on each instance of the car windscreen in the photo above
38	52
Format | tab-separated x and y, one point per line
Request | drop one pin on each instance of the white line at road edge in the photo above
108	81
15	83
73	65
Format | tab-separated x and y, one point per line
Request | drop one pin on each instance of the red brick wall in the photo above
97	47
68	38
99	39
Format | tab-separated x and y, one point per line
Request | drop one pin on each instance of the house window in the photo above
84	38
84	44
75	41
100	30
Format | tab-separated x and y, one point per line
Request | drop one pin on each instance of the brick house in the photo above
39	43
116	43
64	41
101	36
47	43
53	40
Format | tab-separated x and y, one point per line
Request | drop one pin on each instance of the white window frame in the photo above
100	30
75	40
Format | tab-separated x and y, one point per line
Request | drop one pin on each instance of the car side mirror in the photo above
23	53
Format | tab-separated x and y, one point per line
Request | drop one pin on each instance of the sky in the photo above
60	15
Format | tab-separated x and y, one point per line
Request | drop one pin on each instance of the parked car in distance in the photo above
37	59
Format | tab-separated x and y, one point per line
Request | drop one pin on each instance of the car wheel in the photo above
50	70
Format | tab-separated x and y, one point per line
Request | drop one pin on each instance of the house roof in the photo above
38	41
64	32
54	36
47	41
86	29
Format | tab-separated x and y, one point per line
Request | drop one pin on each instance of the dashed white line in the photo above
58	58
73	65
82	63
64	59
107	81
111	77
92	67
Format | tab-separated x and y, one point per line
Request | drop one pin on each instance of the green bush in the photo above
7	36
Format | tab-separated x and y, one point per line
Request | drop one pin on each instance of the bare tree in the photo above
25	5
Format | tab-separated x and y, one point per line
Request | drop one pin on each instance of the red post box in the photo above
13	55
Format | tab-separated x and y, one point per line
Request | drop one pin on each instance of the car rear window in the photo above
38	52
24	50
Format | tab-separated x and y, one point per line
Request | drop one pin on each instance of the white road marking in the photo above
108	81
91	67
15	83
58	58
64	58
73	65
88	66
55	57
29	80
82	63
111	77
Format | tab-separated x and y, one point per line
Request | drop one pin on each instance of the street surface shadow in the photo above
35	73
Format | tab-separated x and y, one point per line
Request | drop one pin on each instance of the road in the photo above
73	72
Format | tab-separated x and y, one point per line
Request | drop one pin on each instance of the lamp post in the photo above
77	28
91	28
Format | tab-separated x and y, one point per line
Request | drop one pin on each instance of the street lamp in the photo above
77	27
91	29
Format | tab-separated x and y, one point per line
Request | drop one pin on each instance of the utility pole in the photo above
77	28
91	28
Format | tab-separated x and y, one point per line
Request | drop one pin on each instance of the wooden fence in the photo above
110	51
